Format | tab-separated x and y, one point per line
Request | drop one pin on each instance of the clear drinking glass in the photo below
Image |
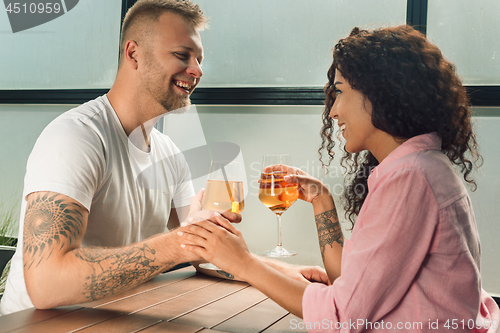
224	191
277	195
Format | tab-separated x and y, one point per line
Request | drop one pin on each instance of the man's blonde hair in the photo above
142	16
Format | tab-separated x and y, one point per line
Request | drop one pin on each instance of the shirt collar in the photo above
429	141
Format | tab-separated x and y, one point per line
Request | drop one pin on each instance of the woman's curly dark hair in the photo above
413	90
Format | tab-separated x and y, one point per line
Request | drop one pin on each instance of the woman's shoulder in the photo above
435	170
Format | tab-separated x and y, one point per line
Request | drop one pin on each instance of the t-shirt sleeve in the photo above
380	261
67	158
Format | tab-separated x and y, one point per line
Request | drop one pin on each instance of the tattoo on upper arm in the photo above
50	220
329	230
114	270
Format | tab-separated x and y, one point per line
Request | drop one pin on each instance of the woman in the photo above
412	262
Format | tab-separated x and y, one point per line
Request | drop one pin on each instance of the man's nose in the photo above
194	69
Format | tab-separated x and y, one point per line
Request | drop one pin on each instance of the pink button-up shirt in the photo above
412	263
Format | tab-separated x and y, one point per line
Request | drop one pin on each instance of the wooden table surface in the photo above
178	301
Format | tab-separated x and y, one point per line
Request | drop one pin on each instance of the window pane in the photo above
283	43
469	37
77	50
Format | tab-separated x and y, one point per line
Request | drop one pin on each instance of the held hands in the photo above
310	188
217	241
197	215
205	219
211	236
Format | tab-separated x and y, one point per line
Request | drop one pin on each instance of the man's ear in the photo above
130	54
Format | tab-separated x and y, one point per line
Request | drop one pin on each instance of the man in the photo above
90	229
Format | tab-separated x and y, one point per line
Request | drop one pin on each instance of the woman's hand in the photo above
311	274
310	188
217	241
300	273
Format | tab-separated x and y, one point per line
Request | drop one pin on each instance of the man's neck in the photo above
133	113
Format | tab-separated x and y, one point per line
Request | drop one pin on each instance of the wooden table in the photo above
178	301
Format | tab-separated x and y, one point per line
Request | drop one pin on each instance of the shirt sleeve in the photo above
392	236
67	158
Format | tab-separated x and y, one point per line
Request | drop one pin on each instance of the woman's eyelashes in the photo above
337	92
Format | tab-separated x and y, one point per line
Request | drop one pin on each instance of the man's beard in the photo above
167	98
174	104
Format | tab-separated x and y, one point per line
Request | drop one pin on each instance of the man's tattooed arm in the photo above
329	230
53	230
51	224
115	270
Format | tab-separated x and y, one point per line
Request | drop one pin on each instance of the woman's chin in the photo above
352	150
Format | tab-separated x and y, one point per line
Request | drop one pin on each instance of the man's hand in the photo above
197	214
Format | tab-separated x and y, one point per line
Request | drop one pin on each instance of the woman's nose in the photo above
333	112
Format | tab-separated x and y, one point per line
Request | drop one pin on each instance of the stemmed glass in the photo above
277	195
224	191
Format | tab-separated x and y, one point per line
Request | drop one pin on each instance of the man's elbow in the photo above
38	296
40	300
41	292
40	304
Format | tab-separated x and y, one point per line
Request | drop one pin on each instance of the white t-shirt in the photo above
86	155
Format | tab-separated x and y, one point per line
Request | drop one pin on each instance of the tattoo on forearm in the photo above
225	274
49	221
329	230
114	270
